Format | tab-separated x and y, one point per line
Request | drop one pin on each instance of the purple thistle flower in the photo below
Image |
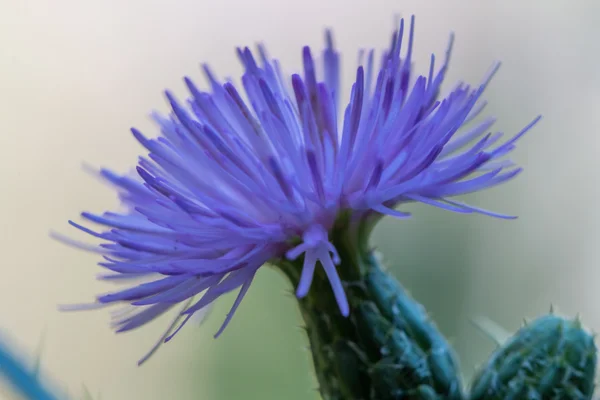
239	180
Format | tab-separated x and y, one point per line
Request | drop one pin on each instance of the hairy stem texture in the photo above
387	348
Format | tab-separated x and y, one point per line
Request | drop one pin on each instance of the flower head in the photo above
240	178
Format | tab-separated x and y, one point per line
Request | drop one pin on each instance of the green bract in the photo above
549	358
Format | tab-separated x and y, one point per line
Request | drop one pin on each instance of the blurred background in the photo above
75	75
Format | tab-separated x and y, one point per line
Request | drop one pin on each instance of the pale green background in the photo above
77	73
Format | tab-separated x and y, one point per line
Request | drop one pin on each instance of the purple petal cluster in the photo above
238	178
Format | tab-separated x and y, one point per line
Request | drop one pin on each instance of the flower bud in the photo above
549	358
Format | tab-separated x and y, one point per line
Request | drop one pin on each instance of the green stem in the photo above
387	348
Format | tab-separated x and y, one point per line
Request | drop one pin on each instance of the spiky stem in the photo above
387	348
